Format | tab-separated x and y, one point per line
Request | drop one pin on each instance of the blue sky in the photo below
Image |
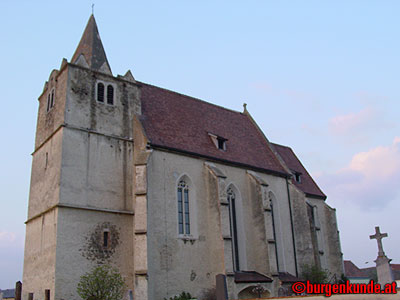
319	76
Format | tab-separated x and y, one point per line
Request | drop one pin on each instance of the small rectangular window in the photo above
105	239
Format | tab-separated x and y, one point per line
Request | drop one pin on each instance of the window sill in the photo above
187	238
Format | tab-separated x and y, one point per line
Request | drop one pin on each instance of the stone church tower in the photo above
169	189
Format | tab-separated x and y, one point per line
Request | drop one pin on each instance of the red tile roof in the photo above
182	123
351	270
307	184
250	277
395	267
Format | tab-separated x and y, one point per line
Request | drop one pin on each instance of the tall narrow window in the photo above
48	102
52	98
110	94
274	231
100	92
233	227
105	238
183	208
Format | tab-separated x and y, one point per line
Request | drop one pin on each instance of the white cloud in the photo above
370	180
342	124
7	237
357	127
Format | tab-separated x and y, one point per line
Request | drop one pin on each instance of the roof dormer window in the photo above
219	142
297	176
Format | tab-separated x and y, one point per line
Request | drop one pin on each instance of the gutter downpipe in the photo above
291	224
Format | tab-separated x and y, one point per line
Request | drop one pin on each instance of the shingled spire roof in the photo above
92	49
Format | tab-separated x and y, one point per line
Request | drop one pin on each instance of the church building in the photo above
169	189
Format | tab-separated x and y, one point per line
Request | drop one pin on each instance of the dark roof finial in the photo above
244	107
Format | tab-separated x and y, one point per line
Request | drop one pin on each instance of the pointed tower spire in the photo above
92	49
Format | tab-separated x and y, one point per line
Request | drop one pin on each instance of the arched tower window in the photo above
183	208
231	197
110	94
100	92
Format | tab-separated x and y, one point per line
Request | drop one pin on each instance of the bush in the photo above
314	274
182	296
102	283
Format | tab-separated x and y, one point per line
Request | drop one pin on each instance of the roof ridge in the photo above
275	144
192	98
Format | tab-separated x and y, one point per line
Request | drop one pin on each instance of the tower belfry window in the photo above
100	92
110	94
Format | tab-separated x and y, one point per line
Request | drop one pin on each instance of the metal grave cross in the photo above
379	236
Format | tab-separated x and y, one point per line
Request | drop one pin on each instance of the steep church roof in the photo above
307	184
182	123
91	47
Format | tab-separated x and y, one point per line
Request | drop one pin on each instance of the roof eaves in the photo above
216	159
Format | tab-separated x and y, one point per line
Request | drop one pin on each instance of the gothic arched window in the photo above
231	197
110	94
183	208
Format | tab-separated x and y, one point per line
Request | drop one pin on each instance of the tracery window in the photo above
183	208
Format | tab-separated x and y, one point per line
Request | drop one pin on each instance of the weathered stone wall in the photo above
175	263
335	258
96	170
82	169
84	111
80	247
45	176
40	255
301	226
328	237
49	121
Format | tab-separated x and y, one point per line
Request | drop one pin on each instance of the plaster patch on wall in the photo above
94	248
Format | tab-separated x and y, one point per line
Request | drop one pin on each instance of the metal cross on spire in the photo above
92	8
379	236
